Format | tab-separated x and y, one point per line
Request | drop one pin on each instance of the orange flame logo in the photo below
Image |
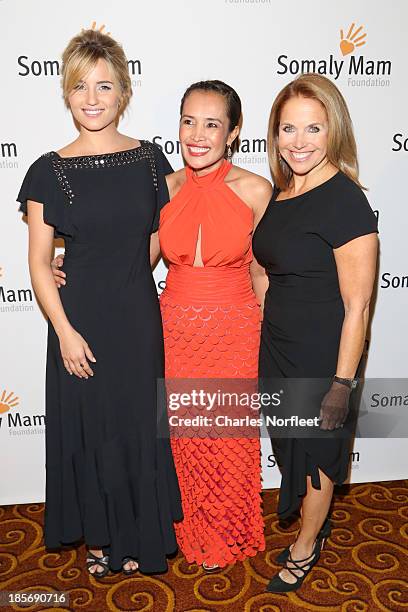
100	29
8	401
349	42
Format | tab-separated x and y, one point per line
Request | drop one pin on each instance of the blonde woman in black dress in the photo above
109	478
318	243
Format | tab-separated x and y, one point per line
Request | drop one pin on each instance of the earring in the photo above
229	153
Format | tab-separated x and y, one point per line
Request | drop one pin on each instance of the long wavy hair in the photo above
341	146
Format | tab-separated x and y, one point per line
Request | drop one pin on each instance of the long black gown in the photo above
109	477
304	313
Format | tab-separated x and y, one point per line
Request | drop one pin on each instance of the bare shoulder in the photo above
252	188
175	181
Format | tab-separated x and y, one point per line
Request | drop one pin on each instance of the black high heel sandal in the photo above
92	560
322	536
277	585
129	572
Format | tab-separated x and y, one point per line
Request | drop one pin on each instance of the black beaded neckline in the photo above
100	161
103	158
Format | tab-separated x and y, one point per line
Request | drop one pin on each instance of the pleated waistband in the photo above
217	285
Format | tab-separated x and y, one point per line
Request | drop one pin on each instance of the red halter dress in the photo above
211	323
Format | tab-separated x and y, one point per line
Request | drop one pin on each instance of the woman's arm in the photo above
356	264
74	349
154	250
260	195
41	238
260	282
173	184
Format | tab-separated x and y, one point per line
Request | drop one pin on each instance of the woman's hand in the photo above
75	353
59	275
335	406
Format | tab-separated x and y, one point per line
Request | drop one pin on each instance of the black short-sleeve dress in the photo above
109	478
304	312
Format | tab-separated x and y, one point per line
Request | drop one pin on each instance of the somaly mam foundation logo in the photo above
29	67
15	299
360	70
15	421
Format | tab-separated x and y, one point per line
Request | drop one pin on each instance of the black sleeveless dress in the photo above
303	316
109	478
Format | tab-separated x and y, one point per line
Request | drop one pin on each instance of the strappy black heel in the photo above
322	536
92	560
277	585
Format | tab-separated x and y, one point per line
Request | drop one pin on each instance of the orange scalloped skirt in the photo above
211	324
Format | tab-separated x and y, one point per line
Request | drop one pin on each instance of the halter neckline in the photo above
211	179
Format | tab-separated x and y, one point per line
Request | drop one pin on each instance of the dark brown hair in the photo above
232	99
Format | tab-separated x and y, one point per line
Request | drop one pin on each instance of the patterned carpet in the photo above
364	566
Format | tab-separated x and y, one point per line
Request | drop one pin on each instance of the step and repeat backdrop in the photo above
257	46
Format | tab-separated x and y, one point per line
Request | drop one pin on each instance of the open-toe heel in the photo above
130	571
92	560
210	569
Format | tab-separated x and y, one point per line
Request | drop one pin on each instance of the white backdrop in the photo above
257	47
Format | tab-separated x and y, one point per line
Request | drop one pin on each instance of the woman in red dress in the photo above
211	321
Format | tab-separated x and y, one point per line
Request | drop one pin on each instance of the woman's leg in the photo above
314	510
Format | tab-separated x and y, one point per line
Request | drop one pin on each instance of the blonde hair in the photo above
341	145
81	55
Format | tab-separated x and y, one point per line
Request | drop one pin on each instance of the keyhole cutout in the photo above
198	260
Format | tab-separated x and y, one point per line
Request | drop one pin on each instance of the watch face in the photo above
354	383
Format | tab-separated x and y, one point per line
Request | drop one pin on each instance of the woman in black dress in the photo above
318	243
109	478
